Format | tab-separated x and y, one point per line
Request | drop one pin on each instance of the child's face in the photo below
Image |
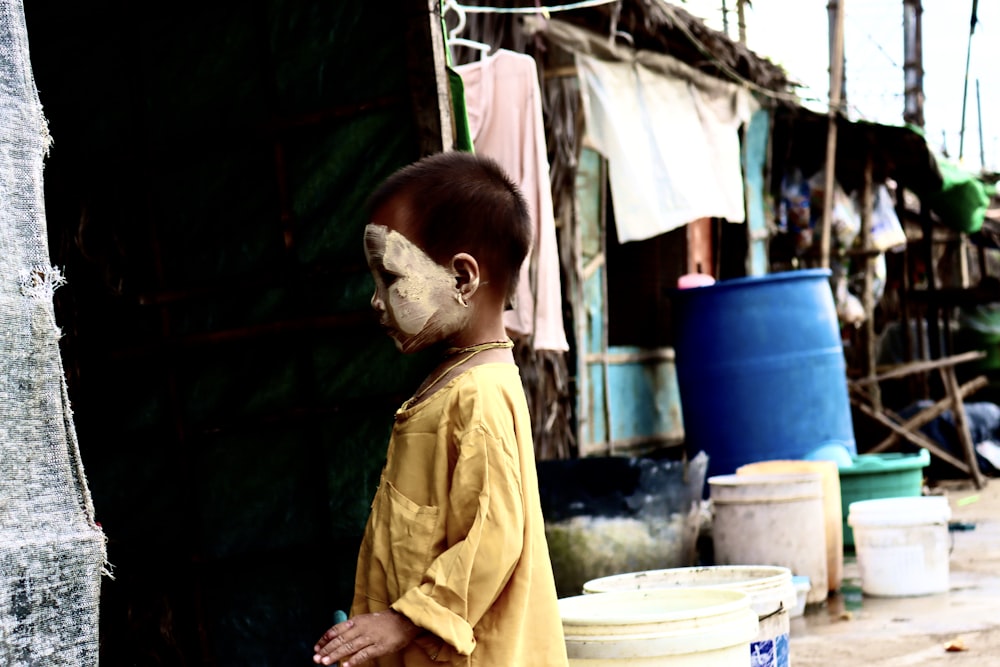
416	298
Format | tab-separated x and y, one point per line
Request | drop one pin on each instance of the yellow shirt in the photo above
455	540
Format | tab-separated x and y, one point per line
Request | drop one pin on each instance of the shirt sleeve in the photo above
485	535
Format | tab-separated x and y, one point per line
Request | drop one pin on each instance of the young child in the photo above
454	568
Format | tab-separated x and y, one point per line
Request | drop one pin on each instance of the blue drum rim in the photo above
770	278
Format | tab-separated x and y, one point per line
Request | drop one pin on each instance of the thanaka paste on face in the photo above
416	297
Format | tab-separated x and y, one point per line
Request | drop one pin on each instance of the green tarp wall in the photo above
231	392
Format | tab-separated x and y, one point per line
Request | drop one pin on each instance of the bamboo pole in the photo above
965	87
979	119
836	8
913	68
741	20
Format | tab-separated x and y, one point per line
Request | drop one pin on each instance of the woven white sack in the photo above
52	553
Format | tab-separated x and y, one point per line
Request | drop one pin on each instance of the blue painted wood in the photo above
596	432
754	165
645	398
642	384
589	200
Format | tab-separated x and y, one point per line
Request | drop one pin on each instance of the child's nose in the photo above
377	303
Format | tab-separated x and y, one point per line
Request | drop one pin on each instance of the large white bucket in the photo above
772	597
773	519
902	545
833	510
653	628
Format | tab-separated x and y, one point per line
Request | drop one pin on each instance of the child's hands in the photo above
363	638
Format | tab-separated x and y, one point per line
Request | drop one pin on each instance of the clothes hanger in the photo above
453	39
484	49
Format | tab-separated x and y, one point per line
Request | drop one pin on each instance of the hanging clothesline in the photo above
582	4
725	68
473	9
545	11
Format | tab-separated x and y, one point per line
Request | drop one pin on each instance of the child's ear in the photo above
466	270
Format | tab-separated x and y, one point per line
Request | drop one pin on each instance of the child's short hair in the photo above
461	202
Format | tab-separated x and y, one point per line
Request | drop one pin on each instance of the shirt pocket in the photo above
406	539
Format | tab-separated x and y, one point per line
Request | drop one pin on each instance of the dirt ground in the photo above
852	629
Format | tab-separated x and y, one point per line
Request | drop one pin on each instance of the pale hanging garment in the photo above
673	148
668	131
504	105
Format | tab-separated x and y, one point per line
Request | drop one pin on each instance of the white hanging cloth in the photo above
670	134
673	150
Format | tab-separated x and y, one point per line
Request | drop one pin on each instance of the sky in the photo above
795	35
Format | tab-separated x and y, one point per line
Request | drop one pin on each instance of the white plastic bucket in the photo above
652	628
772	519
833	511
772	597
801	584
902	545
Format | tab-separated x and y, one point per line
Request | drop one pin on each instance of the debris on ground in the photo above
955	645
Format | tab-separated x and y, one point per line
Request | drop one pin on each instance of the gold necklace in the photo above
469	352
479	347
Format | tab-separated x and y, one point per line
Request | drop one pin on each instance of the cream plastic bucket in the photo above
775	519
772	597
664	627
902	545
833	510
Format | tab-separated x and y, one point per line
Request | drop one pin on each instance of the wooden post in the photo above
868	296
953	390
836	83
904	288
578	303
913	67
700	252
741	19
430	95
605	320
933	326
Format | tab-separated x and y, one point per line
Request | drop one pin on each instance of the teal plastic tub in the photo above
873	476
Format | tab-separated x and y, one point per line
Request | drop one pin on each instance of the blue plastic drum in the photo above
761	371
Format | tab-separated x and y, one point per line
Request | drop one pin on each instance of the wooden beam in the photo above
591	268
921	367
632	446
916	438
640	356
925	416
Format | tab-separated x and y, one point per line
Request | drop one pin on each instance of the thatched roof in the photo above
655	25
668	28
799	138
